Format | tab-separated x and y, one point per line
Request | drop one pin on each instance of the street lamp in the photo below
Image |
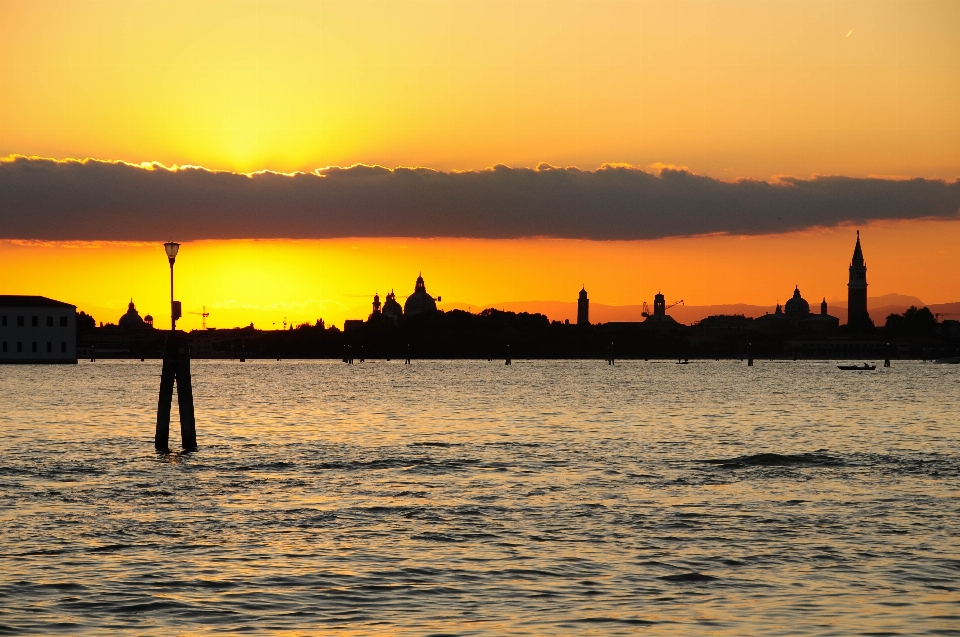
171	249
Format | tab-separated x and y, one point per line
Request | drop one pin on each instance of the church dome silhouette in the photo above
419	301
391	308
796	306
131	320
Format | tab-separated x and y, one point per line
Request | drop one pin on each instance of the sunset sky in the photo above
697	95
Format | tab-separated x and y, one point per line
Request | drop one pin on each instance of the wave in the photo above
688	577
815	459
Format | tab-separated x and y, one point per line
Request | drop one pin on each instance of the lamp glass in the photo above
171	248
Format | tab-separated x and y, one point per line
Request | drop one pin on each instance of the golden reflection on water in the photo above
472	498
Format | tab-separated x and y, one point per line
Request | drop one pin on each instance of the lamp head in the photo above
171	249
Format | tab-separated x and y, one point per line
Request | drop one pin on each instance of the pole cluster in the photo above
176	369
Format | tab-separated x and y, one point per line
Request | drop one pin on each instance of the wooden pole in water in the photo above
161	440
176	369
188	423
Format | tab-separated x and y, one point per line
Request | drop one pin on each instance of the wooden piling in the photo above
161	439
188	423
176	369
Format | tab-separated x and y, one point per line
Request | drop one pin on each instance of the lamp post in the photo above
171	249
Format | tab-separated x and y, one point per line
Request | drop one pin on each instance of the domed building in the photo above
419	301
795	315
131	320
797	306
391	308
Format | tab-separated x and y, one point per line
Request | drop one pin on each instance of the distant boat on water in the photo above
951	360
862	368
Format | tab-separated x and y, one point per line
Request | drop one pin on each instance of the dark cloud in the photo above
95	200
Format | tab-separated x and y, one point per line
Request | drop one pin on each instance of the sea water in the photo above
474	498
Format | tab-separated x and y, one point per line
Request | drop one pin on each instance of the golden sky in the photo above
728	89
266	281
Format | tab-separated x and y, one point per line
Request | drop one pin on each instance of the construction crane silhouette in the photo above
204	314
646	308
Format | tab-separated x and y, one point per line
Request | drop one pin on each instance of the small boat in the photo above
952	360
862	368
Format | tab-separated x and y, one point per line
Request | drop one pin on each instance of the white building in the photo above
35	329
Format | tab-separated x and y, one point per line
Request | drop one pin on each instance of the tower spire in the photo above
857	253
857	288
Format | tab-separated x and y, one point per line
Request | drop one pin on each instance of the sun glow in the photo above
729	90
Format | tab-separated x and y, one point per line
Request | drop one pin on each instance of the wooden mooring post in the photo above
176	369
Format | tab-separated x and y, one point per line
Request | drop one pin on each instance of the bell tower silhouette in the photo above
583	308
857	288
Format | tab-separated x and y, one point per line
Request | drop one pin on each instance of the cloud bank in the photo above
46	199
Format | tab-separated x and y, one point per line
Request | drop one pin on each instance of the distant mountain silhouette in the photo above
893	299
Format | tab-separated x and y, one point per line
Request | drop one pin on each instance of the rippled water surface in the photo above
473	498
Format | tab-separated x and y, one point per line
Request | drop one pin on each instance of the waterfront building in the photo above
419	301
391	308
660	318
352	325
583	308
795	315
797	306
35	329
725	323
857	314
376	304
131	320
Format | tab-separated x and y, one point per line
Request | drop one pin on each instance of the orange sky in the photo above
728	89
265	281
